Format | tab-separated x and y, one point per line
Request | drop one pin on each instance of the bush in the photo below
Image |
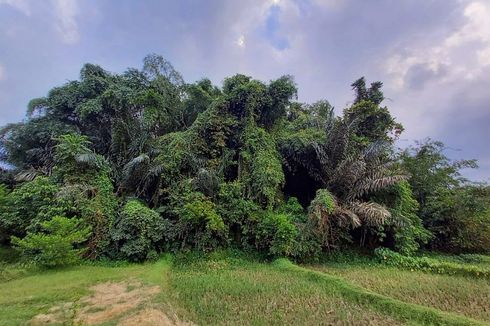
238	214
391	258
28	205
55	245
410	233
472	233
293	208
308	245
195	220
137	231
276	233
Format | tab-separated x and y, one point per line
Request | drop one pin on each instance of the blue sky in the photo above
433	56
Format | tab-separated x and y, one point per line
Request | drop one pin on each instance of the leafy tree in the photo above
408	232
28	205
137	231
447	201
276	233
55	244
244	164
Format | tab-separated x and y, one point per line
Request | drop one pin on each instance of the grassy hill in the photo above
233	288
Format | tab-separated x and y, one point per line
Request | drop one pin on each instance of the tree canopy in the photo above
150	163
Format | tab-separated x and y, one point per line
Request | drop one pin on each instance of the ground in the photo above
232	288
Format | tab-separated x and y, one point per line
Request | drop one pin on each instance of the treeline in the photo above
126	166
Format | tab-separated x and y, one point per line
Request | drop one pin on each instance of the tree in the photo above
55	244
446	205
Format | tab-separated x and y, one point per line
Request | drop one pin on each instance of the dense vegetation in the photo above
127	166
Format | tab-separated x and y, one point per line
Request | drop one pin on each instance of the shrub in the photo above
472	233
54	246
98	209
409	234
238	214
308	245
28	205
332	229
205	225
260	169
293	208
137	231
391	258
276	233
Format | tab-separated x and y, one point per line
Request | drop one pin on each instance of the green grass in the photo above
458	294
236	291
478	260
231	288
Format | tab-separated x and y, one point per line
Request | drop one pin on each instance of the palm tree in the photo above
348	176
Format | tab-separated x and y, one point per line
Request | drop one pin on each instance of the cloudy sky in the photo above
432	55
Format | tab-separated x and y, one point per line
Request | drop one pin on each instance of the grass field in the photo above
231	288
462	295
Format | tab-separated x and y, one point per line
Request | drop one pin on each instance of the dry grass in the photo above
151	317
108	301
462	295
221	293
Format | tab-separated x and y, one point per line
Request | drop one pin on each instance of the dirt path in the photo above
123	301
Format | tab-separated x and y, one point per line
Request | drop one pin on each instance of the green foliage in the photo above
233	207
260	168
138	230
371	122
427	264
330	228
197	223
28	205
54	245
293	208
455	211
216	164
30	144
75	162
3	196
276	233
409	233
88	187
199	210
470	232
98	209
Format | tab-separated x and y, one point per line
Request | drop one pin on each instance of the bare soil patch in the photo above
107	302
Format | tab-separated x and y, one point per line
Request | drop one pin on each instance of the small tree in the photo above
137	231
55	245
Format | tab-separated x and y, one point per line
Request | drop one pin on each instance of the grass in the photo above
458	294
232	288
232	291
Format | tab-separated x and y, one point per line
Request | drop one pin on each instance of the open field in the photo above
459	294
231	288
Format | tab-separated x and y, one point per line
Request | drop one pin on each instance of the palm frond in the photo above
134	163
368	185
27	175
370	213
90	159
347	217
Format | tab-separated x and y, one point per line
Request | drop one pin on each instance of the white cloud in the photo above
20	5
241	41
461	55
477	27
66	24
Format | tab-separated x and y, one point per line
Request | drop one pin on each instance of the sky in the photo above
433	56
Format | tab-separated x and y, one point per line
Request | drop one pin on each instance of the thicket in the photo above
148	163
